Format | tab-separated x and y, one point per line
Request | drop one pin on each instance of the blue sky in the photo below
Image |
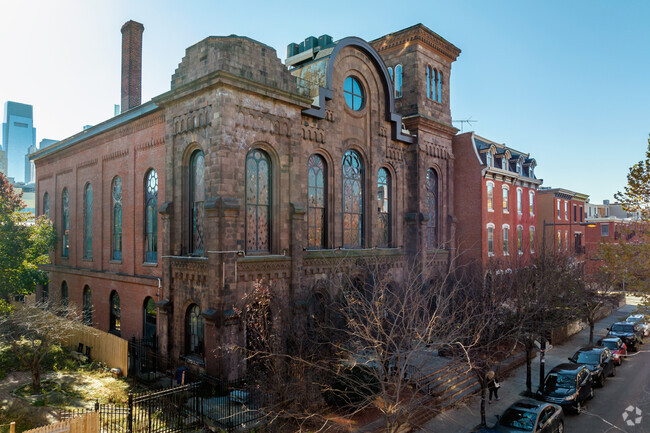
567	81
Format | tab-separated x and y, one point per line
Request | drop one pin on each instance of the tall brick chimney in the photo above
131	64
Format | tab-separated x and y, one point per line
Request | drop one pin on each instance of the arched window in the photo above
520	239
353	93
258	202
64	298
117	218
398	81
383	207
87	307
197	199
151	217
194	331
490	196
506	205
149	320
46	205
65	223
532	239
390	72
488	159
439	86
316	201
429	86
531	202
88	222
490	239
115	314
353	199
506	248
434	91
519	201
432	208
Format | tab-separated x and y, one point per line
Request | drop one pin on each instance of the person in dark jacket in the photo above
493	386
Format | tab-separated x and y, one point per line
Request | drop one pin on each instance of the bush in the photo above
352	386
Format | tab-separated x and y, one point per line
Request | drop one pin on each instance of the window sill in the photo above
490	210
115	262
490	254
521	253
506	211
87	259
150	264
506	254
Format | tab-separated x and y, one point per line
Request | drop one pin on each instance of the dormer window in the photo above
519	168
488	159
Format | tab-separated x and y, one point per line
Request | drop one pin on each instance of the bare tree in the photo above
31	330
369	349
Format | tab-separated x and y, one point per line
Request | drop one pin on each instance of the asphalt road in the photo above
630	388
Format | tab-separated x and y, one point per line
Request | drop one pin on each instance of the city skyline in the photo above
565	82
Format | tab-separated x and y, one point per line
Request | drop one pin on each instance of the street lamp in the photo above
542	343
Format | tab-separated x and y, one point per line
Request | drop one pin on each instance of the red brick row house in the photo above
496	206
562	215
247	169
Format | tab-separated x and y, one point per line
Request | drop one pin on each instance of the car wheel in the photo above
591	393
560	427
579	407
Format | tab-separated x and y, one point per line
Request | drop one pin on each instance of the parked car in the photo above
629	332
640	320
598	359
616	345
532	416
568	385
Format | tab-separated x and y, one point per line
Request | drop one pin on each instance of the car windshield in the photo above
633	319
554	381
610	345
622	328
587	357
518	419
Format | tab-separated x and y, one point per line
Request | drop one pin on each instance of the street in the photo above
630	387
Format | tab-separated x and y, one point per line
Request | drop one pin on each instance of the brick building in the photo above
252	169
562	215
497	213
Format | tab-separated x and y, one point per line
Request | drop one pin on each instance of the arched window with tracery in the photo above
64	298
149	320
316	201
117	218
353	199
65	223
88	222
115	314
439	86
194	331
151	217
258	202
432	208
384	207
87	307
398	81
197	199
429	86
46	205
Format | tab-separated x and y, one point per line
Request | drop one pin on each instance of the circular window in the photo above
353	93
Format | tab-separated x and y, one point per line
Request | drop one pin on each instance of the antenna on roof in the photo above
463	122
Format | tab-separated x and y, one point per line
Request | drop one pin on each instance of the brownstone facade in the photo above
285	173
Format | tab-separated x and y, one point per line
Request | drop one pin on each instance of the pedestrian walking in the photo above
493	386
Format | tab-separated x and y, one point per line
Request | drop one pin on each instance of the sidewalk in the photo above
465	418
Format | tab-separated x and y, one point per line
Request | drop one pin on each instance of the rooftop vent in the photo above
297	53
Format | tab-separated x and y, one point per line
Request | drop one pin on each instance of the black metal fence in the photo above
207	402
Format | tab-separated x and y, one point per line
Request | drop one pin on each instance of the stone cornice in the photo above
112	276
422	122
419	34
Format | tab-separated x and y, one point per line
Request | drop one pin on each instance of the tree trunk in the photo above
483	397
592	322
529	364
36	377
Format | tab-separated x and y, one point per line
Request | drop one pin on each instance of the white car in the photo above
640	319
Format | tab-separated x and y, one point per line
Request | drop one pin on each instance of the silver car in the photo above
640	319
531	416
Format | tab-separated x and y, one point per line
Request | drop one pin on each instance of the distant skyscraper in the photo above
18	134
46	142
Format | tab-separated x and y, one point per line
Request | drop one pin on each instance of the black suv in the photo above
630	333
598	359
568	385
